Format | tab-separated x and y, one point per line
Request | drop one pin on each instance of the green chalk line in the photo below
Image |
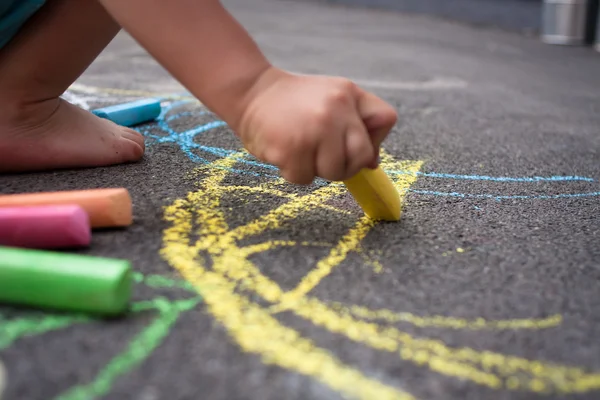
158	281
12	330
138	349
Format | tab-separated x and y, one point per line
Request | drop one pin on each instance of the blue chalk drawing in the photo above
504	197
186	142
497	178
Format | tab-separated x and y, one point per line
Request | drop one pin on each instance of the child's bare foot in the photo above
55	134
38	130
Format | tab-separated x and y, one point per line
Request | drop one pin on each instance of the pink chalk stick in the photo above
44	227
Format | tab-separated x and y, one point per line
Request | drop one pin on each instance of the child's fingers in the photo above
359	148
378	116
299	168
331	157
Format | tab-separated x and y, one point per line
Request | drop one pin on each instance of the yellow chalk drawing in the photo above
324	267
201	245
271	244
439	321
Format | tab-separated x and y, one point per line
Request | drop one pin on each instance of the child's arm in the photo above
307	126
200	44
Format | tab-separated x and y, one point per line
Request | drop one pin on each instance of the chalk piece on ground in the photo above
105	207
44	227
64	281
132	113
376	194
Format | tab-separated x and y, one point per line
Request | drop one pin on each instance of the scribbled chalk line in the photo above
229	287
256	330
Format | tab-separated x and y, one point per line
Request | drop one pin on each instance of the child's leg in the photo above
37	129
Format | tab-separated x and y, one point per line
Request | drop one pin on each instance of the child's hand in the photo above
312	126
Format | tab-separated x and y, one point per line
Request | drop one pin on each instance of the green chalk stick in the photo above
64	281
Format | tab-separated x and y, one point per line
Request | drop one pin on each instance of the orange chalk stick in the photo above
105	207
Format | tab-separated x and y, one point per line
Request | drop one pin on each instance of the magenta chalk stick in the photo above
45	227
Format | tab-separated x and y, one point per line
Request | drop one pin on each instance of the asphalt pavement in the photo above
516	15
251	288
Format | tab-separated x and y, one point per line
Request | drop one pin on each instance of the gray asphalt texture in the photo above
520	15
504	106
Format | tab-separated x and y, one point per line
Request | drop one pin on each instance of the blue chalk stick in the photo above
133	113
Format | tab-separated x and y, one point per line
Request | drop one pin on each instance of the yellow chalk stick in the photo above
376	194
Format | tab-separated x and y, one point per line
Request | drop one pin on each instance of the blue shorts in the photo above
13	14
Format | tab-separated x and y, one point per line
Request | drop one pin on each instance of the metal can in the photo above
564	22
